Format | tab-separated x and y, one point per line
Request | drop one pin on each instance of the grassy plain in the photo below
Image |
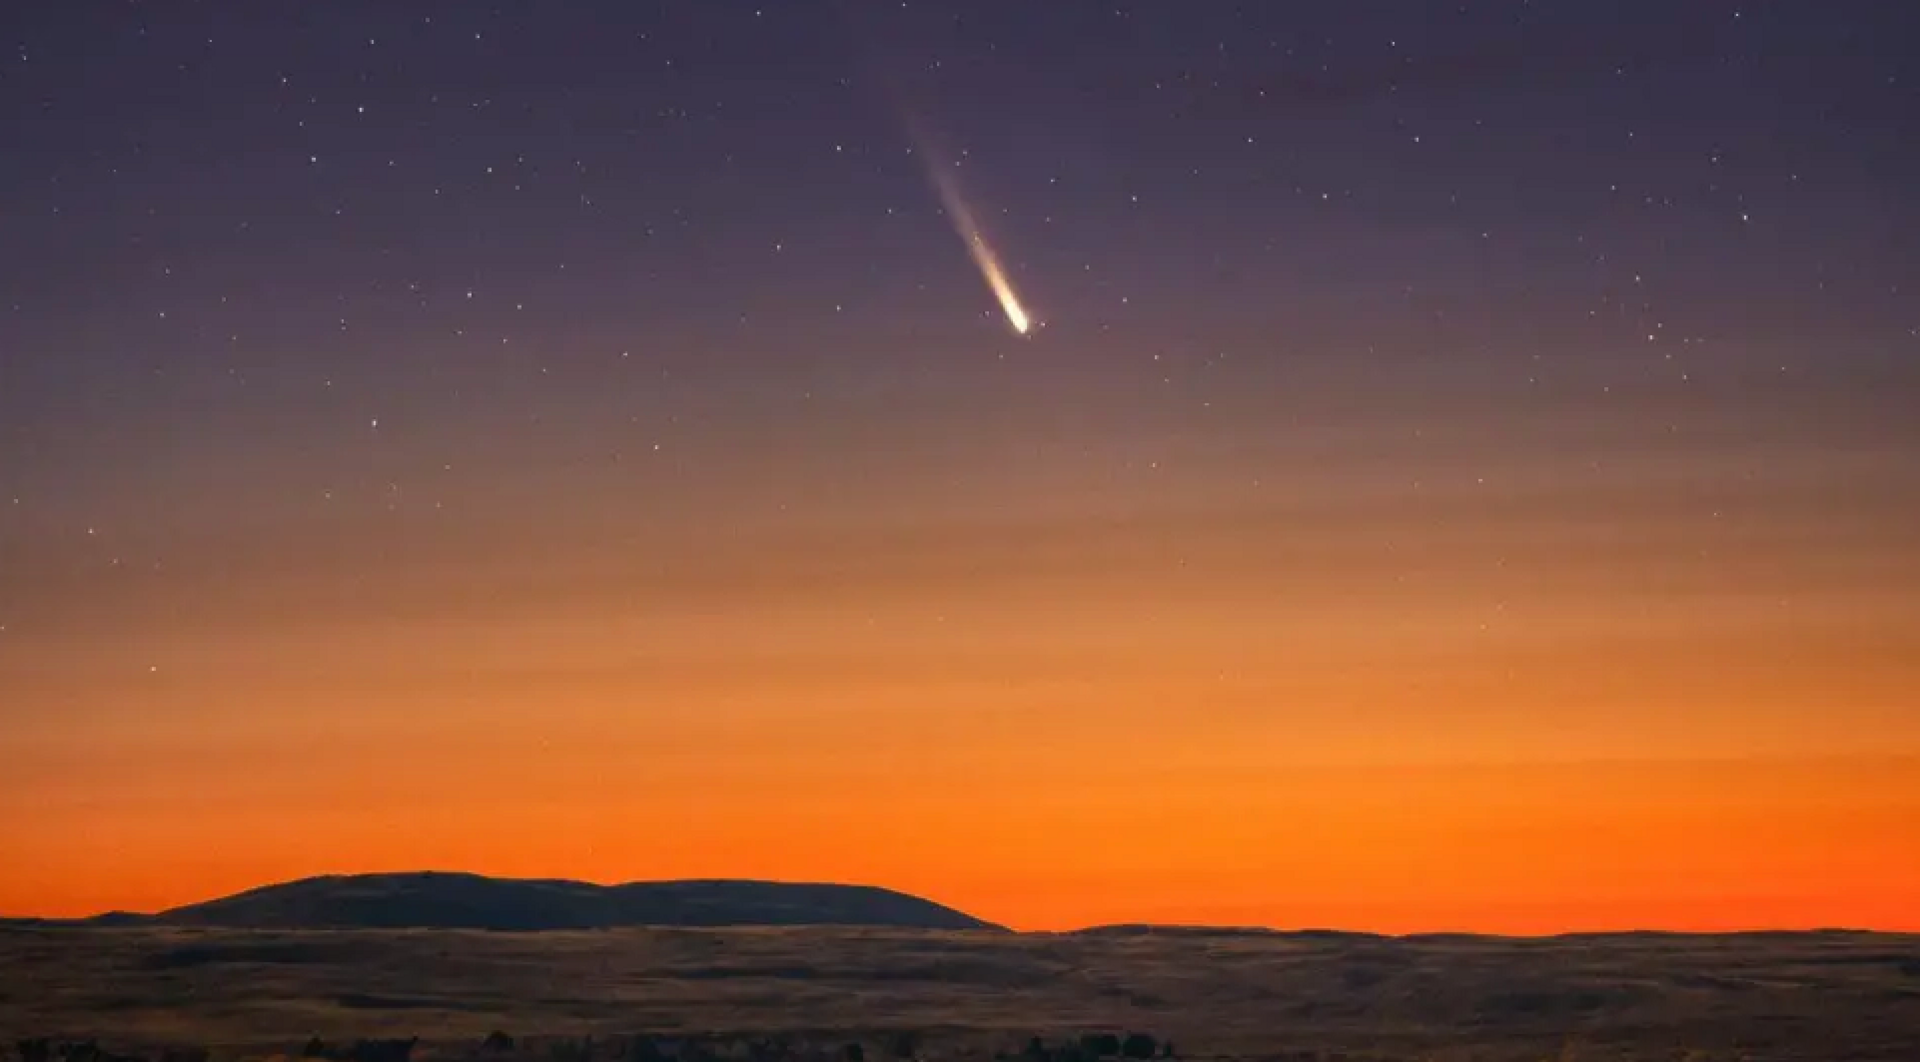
1821	997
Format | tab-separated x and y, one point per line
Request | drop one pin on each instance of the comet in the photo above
970	233
983	254
940	174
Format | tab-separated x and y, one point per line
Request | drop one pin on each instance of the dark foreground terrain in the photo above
1824	996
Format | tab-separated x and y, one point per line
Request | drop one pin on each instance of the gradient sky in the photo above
1468	476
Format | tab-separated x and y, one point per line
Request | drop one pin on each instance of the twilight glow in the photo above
1472	482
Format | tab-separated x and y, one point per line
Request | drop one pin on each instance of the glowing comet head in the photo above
1019	319
1001	287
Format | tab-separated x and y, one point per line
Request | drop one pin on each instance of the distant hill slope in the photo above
1159	929
434	900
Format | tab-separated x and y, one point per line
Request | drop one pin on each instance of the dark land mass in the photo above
1158	929
1772	997
437	900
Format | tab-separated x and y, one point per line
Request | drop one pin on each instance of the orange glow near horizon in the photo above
1493	701
1396	467
1490	848
1542	849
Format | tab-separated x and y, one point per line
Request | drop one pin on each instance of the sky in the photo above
1461	471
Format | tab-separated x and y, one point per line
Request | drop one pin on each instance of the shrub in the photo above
1100	1045
383	1050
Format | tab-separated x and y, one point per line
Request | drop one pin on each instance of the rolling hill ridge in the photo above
441	900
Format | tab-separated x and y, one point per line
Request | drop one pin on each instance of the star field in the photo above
1424	395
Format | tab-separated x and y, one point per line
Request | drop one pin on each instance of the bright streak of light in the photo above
983	255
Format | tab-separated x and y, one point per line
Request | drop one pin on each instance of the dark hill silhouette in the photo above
108	920
434	900
1160	929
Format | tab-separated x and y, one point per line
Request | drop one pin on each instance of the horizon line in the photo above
1138	926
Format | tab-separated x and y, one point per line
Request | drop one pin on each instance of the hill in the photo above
434	900
1160	929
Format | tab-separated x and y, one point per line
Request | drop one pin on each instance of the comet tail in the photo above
983	256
